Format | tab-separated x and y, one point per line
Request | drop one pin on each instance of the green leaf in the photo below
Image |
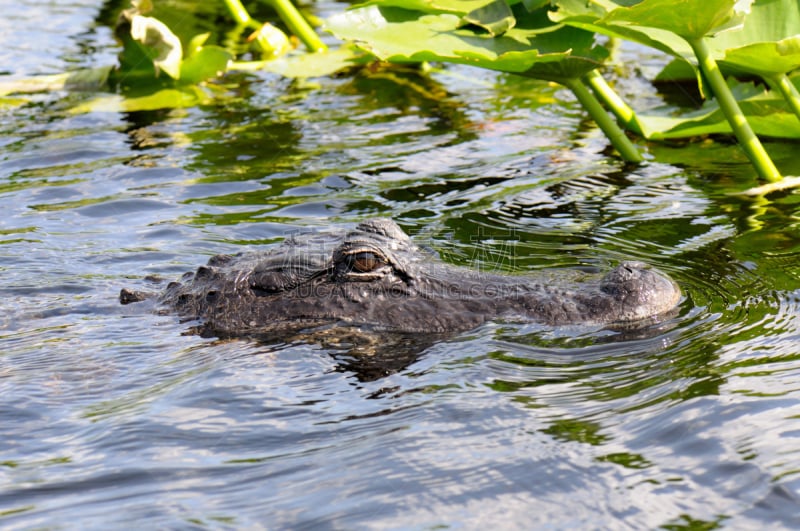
159	44
196	43
90	79
590	16
677	70
271	41
305	65
205	63
149	48
765	112
768	44
170	98
689	19
456	7
495	17
764	58
535	47
666	25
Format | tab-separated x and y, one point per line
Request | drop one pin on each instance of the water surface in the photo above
113	414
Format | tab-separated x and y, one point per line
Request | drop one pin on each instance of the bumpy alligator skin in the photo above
374	276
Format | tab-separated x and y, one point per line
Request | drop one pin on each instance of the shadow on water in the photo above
369	356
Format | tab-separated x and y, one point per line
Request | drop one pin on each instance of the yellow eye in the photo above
364	262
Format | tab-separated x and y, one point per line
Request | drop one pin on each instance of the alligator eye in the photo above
365	261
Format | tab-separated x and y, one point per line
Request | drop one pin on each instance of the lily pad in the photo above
690	20
150	47
769	42
90	79
307	65
535	47
665	25
765	112
590	16
204	62
456	7
169	98
495	17
158	43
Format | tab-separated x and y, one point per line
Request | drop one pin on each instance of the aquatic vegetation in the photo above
767	48
562	41
495	36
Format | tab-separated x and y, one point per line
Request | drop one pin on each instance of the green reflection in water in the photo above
628	460
17	510
686	523
575	430
134	401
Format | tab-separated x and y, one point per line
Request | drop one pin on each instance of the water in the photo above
111	415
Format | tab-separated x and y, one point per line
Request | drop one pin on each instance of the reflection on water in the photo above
111	414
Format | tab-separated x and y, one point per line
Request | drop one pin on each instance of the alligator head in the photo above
375	276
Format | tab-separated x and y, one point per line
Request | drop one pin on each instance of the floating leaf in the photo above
272	41
456	7
170	98
690	20
495	17
765	112
769	42
159	44
536	48
305	65
666	24
205	63
86	79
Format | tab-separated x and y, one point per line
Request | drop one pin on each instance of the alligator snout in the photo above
640	291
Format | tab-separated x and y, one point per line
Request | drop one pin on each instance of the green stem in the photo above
238	12
617	137
298	25
788	91
730	108
625	115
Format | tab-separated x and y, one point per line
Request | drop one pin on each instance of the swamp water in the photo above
111	416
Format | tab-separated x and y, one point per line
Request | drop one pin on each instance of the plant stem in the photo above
788	91
625	115
298	25
730	108
621	143
238	12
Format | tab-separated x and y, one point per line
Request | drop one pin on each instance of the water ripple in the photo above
111	414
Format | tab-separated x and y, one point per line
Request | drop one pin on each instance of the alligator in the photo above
375	277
